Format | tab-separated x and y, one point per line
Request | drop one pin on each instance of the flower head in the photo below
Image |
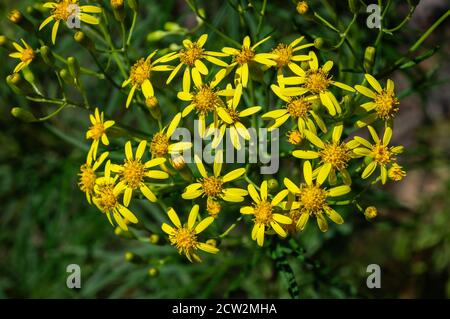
88	176
25	54
97	132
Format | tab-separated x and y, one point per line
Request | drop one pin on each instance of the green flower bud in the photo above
156	35
19	85
133	4
83	39
47	55
172	26
23	115
118	9
74	67
67	77
272	184
16	17
369	58
154	239
153	272
129	256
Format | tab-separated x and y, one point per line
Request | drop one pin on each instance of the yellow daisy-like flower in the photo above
97	132
213	186
384	102
334	156
204	99
88	176
379	153
134	171
245	55
231	118
312	200
160	145
298	107
286	57
317	81
62	10
185	237
396	172
265	215
106	198
140	75
26	55
191	58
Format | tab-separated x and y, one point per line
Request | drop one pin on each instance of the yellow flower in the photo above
62	10
191	57
204	99
312	200
379	153
140	76
384	102
231	118
297	107
97	132
396	172
334	156
160	145
213	186
295	137
317	81
26	55
264	211
185	237
245	55
88	176
106	199
134	171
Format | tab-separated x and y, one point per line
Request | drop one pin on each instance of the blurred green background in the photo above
45	223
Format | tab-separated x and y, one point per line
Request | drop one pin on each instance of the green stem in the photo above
416	45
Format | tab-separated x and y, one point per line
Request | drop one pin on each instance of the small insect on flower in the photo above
311	200
185	237
334	156
298	108
245	55
140	76
213	186
107	199
63	10
384	102
97	132
264	212
191	58
160	145
134	171
316	81
88	176
26	55
379	153
231	119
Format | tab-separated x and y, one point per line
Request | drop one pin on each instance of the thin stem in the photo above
416	45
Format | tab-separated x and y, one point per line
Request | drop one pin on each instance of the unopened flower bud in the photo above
154	239
213	207
15	16
23	114
371	212
178	162
133	5
172	26
302	7
67	77
153	272
74	67
156	35
19	85
47	55
129	256
369	58
152	102
295	137
83	39
272	185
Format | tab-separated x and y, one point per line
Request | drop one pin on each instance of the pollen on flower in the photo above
205	99
106	198
298	107
263	213
233	114
159	145
140	72
312	198
337	154
63	9
212	186
295	137
386	105
27	55
184	239
396	172
96	131
87	178
284	54
317	81
244	56
133	173
189	55
213	207
381	154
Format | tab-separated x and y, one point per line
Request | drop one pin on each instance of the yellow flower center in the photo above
302	7
205	99
133	173
87	178
381	154
233	114
298	107
190	55
212	186
313	198
96	131
284	55
295	137
184	239
263	213
106	198
213	207
140	72
63	10
396	173
317	81
386	105
337	154
27	55
244	56
159	145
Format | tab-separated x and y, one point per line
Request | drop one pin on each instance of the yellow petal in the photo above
174	217
203	224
